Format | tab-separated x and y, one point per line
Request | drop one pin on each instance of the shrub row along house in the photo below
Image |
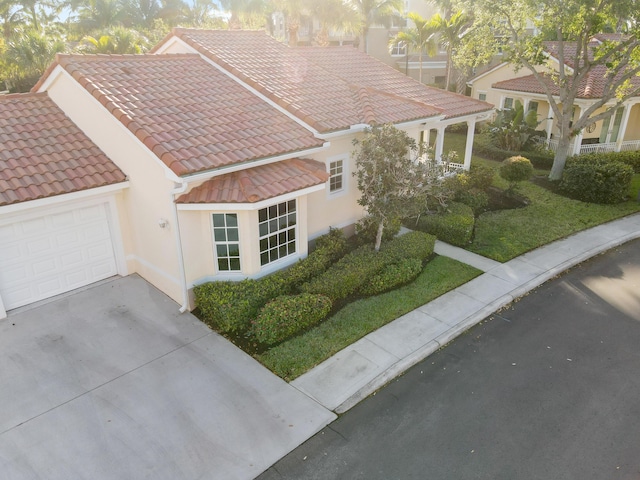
218	156
504	86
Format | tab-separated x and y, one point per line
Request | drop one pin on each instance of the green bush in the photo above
417	245
367	230
346	276
392	276
481	177
285	316
230	306
516	169
329	248
454	226
596	180
475	198
483	147
631	158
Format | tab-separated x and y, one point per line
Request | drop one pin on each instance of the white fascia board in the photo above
236	167
245	85
65	197
169	174
55	73
235	207
426	64
361	127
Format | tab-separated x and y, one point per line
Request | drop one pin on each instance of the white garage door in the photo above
49	255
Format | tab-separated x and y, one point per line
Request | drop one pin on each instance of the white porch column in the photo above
426	136
549	123
577	143
623	126
3	312
439	143
471	129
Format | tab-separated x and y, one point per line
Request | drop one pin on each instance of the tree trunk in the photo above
560	159
420	75
379	235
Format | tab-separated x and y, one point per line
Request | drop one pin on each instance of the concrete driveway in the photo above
113	383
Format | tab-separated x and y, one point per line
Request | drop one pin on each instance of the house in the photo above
503	86
219	156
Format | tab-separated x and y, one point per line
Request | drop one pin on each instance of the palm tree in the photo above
240	10
374	12
99	14
141	13
200	13
450	33
10	16
27	55
420	38
119	40
334	15
293	11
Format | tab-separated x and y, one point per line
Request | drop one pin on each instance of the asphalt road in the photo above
548	388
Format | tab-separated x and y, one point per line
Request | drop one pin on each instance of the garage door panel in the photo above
50	255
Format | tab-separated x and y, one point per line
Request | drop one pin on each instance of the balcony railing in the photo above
629	145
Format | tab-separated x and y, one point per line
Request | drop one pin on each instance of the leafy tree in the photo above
374	12
201	13
419	38
293	11
99	15
391	179
243	12
572	25
10	16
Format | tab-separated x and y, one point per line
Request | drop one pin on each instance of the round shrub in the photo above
287	315
596	180
418	245
516	169
392	277
454	226
481	177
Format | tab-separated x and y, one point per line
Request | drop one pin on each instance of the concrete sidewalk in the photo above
355	372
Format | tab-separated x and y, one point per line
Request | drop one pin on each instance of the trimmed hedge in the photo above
417	245
285	316
346	276
631	158
595	179
483	147
477	199
349	274
454	226
392	276
231	306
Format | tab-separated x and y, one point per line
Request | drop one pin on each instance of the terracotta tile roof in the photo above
591	87
43	153
320	85
192	116
259	183
361	69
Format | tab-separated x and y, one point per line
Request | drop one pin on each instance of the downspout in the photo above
183	276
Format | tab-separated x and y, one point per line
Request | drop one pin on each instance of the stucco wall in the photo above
150	250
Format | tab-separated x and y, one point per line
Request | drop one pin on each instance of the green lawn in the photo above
299	354
506	234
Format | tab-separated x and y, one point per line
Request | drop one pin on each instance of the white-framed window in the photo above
398	49
507	104
226	239
277	229
336	180
482	96
533	106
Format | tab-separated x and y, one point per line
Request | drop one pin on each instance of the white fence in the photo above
630	145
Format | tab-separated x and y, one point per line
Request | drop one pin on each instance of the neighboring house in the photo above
503	86
236	151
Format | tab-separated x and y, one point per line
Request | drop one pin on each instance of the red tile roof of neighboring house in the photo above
43	153
259	183
323	86
192	116
592	86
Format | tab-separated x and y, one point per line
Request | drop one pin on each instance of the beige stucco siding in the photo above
150	250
